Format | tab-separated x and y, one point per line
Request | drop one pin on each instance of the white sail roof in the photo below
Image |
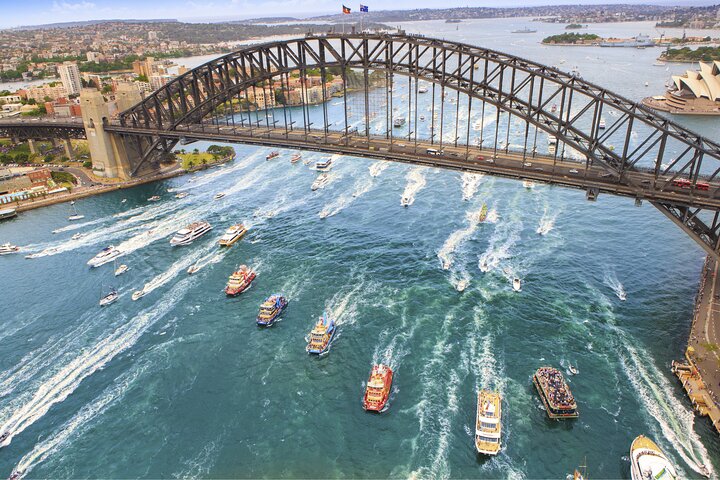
704	83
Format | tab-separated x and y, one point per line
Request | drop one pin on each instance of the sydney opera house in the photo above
695	93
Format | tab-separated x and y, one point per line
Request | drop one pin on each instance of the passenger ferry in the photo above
324	166
6	213
555	393
107	254
185	236
378	387
272	155
647	461
271	309
488	424
321	335
239	281
296	158
7	249
232	235
320	182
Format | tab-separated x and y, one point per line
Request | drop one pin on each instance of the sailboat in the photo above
109	298
75	215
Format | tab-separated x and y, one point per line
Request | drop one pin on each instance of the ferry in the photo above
270	310
185	236
377	391
6	213
218	196
321	335
7	249
516	284
109	298
399	122
154	198
602	124
488	425
324	166
555	393
107	254
647	461
181	195
232	235
320	182
239	281
296	158
272	155
75	215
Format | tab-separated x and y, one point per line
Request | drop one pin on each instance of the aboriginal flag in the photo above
346	10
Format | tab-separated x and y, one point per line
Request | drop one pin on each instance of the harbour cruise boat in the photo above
320	182
270	310
239	281
555	393
232	235
378	387
488	424
324	166
106	255
648	462
321	335
7	249
185	236
272	155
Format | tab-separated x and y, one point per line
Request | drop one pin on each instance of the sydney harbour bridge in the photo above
425	101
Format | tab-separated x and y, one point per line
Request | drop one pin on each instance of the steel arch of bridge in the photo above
649	145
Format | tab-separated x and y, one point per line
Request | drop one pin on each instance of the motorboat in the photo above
109	298
555	393
516	284
573	369
422	89
552	140
647	461
181	195
272	155
324	166
296	158
488	423
320	182
137	294
185	236
154	198
194	268
77	236
484	265
120	269
321	335
406	200
529	184
270	310
462	285
324	213
123	200
218	196
7	249
232	235
482	214
399	122
75	215
106	255
377	391
239	281
602	124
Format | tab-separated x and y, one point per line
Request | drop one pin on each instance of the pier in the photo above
700	372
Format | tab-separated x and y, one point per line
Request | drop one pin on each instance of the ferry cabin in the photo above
487	424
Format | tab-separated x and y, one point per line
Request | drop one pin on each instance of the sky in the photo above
35	12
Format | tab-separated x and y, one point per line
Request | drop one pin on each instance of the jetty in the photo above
699	373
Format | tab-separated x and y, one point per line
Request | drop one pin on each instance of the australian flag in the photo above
364	8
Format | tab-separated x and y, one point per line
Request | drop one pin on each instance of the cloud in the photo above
71	7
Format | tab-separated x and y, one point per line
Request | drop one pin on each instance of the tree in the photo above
87	164
196	151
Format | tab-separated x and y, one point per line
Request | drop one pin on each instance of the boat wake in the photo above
505	236
456	239
470	182
610	279
547	222
377	167
416	182
362	186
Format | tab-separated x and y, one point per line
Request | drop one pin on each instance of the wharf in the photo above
700	372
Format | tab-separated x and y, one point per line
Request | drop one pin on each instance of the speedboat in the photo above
181	195
529	184
482	214
324	166
185	236
601	125
321	335
516	284
77	236
484	265
378	387
320	182
7	249
106	255
488	426
462	285
232	235
573	369
295	158
218	196
239	281
123	200
194	268
270	310
121	269
272	155
647	461
422	90
75	215
109	298
137	294
154	198
406	200
324	213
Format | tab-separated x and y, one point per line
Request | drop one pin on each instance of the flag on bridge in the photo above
346	10
364	8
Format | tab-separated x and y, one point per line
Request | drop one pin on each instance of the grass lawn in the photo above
194	159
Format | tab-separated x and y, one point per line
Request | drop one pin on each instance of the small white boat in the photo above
109	298
324	213
77	236
320	182
154	198
119	270
181	195
7	249
75	215
137	294
462	285
573	369
170	190
194	268
406	201
123	200
484	266
516	284
602	124
295	158
218	196
529	184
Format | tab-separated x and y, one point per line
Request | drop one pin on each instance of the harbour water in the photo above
182	383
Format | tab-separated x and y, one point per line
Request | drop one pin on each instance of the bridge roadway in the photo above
542	168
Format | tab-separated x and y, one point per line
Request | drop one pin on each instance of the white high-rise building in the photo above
70	77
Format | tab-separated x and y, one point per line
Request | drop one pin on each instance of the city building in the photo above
63	107
70	77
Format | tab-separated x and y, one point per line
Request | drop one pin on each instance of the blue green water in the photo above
182	383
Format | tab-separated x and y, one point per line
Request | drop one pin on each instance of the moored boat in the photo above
270	310
272	155
321	335
7	249
378	387
488	423
107	254
232	235
555	393
6	213
185	236
648	462
239	281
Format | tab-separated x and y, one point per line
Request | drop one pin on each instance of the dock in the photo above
699	373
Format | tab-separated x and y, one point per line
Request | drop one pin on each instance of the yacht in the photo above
239	281
516	284
154	198
324	166
107	255
185	236
321	335
75	215
488	426
7	249
109	298
320	182
232	235
377	391
648	462
270	310
181	195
